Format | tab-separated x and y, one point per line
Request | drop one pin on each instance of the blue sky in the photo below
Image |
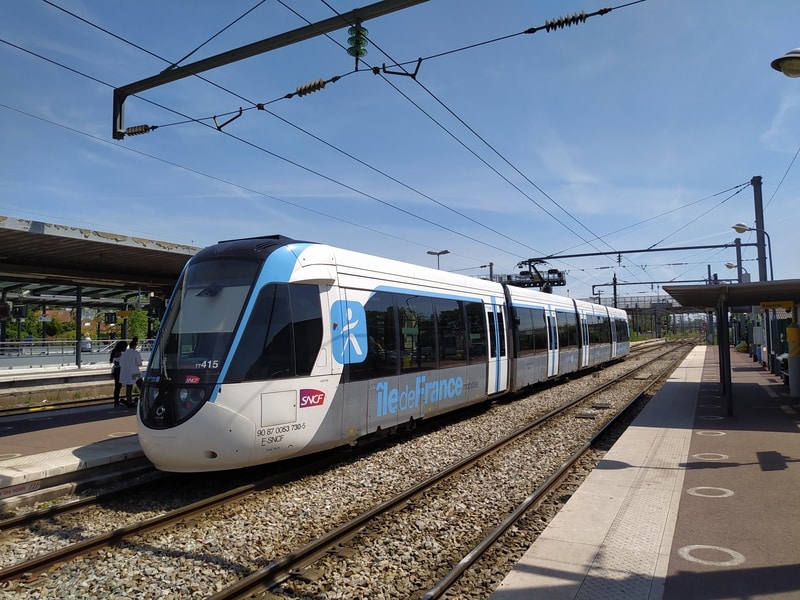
635	129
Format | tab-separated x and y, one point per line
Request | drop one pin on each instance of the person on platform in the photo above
116	352
130	364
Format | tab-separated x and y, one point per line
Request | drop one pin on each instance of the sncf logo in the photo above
192	379
311	398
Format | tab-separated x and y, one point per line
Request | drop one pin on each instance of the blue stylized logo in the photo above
349	332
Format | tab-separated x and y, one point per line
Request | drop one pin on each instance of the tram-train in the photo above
271	348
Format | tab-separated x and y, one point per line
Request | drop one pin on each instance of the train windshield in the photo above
195	337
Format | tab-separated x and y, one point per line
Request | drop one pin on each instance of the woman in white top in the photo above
130	374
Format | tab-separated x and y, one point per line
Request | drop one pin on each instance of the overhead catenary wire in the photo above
331	216
301	91
303	167
294	163
143	129
487	144
684	226
137	130
548	26
221	31
195	120
780	183
138	47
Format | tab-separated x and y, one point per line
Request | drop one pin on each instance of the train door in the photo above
497	376
583	328
552	342
613	326
358	361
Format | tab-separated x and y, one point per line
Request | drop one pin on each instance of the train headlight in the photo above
167	405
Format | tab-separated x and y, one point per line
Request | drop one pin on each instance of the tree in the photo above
137	324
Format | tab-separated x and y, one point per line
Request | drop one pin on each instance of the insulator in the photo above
566	21
357	41
357	51
138	130
310	88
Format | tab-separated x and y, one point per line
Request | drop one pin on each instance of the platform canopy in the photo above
723	298
46	263
709	297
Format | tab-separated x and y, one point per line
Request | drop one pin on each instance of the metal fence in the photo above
43	353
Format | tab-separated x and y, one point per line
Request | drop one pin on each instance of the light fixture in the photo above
744	227
788	64
731	265
438	254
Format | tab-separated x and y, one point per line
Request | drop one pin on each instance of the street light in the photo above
491	271
771	363
437	255
742	227
739	268
788	64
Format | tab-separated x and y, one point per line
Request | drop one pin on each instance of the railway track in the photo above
296	559
338	548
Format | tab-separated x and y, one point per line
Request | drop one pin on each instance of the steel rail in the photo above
536	497
283	568
45	561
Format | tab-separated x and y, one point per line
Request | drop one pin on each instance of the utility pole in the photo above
738	242
491	270
760	243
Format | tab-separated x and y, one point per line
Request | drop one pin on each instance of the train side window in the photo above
307	326
623	335
273	345
476	329
451	332
381	360
539	330
501	329
567	328
553	339
593	326
492	336
606	329
417	333
527	341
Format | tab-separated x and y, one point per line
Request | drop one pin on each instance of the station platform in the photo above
690	503
45	454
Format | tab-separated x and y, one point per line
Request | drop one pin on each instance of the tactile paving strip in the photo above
625	567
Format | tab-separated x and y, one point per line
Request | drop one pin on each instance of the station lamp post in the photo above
743	277
438	254
743	227
789	65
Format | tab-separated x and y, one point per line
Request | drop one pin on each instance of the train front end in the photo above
230	361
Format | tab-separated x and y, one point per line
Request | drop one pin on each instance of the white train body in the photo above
272	348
